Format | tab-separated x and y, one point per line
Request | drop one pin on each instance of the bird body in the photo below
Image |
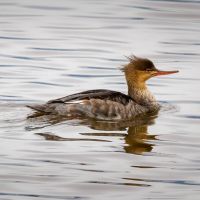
108	104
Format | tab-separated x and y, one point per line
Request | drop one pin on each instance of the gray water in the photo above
50	49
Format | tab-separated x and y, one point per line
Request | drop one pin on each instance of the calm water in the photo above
53	48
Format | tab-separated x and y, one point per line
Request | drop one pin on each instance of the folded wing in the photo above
94	94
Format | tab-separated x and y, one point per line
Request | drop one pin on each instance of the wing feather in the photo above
94	94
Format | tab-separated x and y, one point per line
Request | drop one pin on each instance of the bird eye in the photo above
148	69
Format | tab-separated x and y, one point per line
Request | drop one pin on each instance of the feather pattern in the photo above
95	94
109	104
100	104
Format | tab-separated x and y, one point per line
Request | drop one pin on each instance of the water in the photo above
50	49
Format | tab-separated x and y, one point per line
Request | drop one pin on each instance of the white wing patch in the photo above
75	102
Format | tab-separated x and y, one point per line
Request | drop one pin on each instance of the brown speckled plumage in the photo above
108	104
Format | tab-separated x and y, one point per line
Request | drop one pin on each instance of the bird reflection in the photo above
137	140
135	134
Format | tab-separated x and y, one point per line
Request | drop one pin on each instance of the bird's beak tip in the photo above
159	73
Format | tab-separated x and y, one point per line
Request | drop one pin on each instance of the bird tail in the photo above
39	108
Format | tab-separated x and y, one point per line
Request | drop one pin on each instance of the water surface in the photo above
51	49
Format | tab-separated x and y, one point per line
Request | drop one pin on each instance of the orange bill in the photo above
159	73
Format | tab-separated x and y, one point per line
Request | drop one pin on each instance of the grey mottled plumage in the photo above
108	104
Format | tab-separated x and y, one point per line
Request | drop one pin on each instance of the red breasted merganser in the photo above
109	104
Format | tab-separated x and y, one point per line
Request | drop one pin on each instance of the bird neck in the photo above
139	92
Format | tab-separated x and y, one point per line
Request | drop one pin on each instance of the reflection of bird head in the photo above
137	140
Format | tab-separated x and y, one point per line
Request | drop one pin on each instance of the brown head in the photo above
139	70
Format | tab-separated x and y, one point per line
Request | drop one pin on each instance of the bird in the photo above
104	104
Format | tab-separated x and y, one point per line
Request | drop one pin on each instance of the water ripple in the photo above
51	46
179	182
48	7
76	50
41	196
